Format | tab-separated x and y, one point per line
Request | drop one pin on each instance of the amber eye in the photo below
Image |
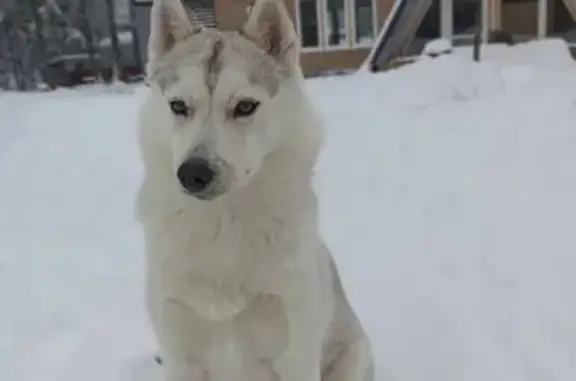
179	107
245	108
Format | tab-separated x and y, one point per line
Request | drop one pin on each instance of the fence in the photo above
45	44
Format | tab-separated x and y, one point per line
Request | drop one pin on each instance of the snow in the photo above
448	195
537	53
70	57
437	47
124	37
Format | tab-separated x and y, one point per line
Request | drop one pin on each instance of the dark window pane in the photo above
309	23
336	23
364	21
465	16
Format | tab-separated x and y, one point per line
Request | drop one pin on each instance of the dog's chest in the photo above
261	255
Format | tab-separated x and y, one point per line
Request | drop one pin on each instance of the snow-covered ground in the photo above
448	195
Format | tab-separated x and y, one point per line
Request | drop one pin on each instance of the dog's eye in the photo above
179	107
245	108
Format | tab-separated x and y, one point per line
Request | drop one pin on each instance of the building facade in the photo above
524	19
336	35
413	23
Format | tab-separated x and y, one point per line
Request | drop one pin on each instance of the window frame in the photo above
350	17
353	43
447	20
324	41
320	29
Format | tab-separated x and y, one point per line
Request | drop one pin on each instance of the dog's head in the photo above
221	89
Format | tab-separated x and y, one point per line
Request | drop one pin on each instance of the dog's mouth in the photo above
204	196
207	195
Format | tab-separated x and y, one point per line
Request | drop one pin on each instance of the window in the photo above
364	20
309	23
465	21
464	16
336	24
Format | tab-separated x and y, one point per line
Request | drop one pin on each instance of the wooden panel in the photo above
315	62
230	14
383	8
520	17
495	10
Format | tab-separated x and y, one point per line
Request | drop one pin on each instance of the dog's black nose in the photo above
195	175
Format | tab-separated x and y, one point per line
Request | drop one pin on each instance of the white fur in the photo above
240	288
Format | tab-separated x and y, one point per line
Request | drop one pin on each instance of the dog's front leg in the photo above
183	370
302	359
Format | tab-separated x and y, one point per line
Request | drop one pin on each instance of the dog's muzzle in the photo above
196	175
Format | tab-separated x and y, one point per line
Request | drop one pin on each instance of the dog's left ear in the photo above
270	27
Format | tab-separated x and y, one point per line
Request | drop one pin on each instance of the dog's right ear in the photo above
169	23
270	27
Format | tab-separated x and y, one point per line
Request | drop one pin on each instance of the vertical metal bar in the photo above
542	18
485	20
447	19
479	29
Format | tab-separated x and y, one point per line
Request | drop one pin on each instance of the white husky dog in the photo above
240	286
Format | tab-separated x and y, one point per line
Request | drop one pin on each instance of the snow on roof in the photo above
124	37
74	56
74	33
